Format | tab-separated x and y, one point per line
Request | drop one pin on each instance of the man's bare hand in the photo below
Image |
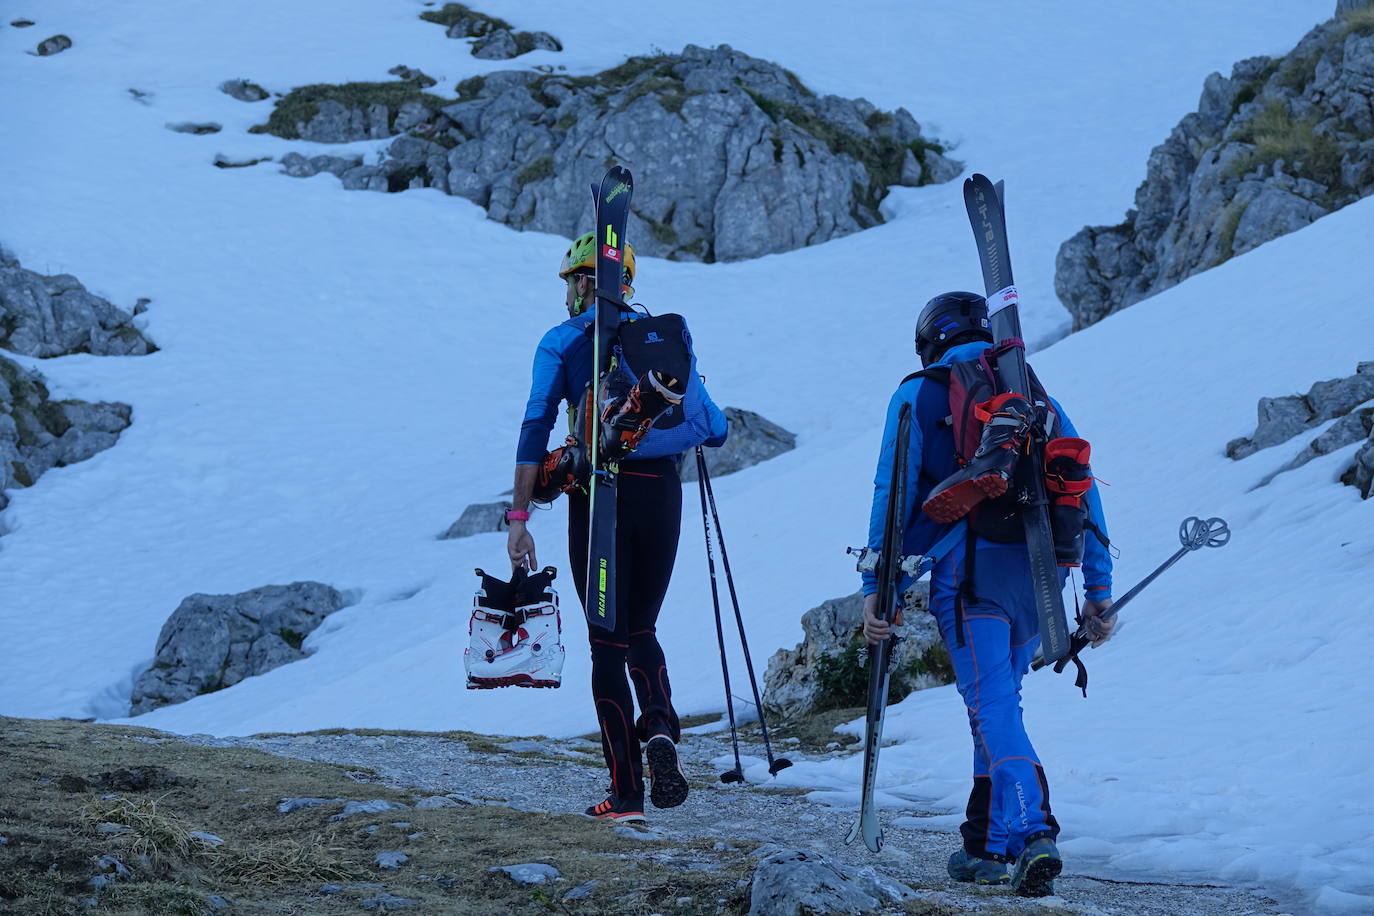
1099	630
875	629
520	546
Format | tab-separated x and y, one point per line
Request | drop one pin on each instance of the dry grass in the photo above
275	863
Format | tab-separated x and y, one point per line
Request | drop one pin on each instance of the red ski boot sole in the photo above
953	503
511	680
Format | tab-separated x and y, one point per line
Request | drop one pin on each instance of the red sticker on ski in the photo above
610	254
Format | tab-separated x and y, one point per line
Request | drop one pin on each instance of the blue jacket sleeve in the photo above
719	426
1097	561
882	478
546	391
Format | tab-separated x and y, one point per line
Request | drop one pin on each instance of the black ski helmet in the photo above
946	317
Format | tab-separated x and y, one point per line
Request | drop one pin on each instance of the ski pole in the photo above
737	774
780	763
1193	534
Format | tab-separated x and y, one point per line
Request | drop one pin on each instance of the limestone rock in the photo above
243	90
792	882
1361	474
773	166
529	873
1282	418
802	680
214	641
752	440
38	434
478	518
1275	146
54	45
55	316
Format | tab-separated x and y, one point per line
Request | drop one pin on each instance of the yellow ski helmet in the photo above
580	258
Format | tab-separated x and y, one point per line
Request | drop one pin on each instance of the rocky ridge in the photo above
1278	144
48	316
774	166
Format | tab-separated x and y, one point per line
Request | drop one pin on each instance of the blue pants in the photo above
1010	801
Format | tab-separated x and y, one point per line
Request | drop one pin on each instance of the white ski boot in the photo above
515	633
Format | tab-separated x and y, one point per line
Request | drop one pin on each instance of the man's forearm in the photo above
526	475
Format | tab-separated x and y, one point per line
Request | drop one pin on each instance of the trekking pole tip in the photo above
780	763
732	776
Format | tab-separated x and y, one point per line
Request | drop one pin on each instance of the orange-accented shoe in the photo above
624	809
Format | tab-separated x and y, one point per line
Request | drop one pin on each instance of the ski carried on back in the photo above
612	201
986	215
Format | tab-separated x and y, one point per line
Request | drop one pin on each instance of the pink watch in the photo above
517	515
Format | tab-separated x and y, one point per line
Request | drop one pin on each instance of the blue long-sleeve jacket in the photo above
930	459
562	367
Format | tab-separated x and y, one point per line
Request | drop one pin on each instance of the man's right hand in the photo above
520	546
875	629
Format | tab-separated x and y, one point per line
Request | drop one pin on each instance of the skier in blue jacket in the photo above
1008	818
648	522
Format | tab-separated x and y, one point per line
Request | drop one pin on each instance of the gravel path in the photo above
560	776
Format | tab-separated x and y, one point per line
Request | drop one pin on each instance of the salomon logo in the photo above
653	338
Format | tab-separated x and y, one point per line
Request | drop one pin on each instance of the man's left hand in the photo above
1098	628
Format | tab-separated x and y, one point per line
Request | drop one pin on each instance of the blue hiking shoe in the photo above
972	870
1036	868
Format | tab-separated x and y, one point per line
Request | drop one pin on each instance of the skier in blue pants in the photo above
989	624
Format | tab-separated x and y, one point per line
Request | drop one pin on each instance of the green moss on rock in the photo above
300	105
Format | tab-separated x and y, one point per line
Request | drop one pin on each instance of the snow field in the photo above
342	372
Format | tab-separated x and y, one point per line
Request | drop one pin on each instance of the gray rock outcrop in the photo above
1360	475
1278	144
38	433
494	38
54	45
1282	418
752	440
1352	427
792	882
55	316
823	671
773	167
243	90
214	641
479	518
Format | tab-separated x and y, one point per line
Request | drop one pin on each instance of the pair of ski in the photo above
612	202
983	201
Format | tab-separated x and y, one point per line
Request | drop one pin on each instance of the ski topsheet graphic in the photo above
985	213
612	211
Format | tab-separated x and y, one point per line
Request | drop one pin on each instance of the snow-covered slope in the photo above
342	372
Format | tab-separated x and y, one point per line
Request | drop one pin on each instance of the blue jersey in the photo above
562	368
931	458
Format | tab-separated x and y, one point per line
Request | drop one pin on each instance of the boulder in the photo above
529	873
478	518
54	45
823	671
214	641
1360	475
752	440
1276	145
1352	427
792	882
56	316
774	167
243	90
38	434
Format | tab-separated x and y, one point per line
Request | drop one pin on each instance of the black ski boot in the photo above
626	419
989	471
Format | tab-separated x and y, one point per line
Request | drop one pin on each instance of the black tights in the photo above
648	522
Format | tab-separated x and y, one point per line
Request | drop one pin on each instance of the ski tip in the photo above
853	833
780	763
